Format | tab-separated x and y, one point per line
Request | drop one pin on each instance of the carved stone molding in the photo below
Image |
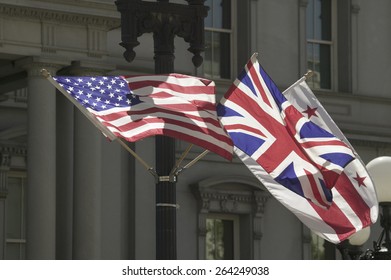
4	168
13	150
59	17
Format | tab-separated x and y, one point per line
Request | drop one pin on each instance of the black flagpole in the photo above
165	20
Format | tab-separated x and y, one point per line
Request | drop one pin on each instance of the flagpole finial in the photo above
309	74
45	73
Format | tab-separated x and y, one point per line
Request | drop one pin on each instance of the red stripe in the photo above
315	190
257	83
336	219
175	87
312	144
232	127
206	82
186	105
151	111
353	198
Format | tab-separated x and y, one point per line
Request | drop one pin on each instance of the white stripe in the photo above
181	81
191	96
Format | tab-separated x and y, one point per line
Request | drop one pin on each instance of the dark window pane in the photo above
217	62
325	66
225	55
310	20
318	61
323	20
208	20
219	239
207	64
319	20
217	56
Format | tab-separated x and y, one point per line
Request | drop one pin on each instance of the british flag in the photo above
294	151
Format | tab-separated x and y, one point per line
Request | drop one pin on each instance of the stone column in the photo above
41	162
87	181
4	168
64	177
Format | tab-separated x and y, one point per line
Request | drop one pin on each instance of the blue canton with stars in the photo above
99	93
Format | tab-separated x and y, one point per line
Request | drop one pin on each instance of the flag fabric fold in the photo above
355	204
295	152
135	107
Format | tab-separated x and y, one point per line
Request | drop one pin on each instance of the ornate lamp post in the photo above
380	171
165	20
351	248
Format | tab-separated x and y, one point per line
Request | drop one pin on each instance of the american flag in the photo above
295	152
355	204
135	107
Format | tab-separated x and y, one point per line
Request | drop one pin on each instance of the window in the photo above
322	249
16	217
222	237
218	38
320	43
230	217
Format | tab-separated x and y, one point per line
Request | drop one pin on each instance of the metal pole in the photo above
165	20
166	248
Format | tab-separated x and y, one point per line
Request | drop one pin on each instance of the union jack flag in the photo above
297	153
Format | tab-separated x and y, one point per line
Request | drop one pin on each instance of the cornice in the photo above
59	16
12	149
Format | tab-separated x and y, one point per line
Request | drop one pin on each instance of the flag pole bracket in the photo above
168	205
169	178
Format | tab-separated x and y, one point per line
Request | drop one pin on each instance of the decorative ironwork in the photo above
165	20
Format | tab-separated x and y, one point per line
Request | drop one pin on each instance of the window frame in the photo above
233	44
239	196
333	43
